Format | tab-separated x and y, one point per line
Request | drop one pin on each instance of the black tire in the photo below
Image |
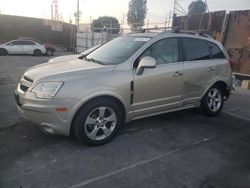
81	127
37	52
207	100
3	52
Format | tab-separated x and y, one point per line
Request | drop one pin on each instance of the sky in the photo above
158	10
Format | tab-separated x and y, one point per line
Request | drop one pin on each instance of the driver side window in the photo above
163	51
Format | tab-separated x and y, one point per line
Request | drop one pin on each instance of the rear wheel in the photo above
37	52
3	51
213	101
98	121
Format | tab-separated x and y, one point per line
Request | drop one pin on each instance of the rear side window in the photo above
215	51
195	49
28	43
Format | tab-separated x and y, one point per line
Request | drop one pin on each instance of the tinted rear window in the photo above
215	51
28	43
195	49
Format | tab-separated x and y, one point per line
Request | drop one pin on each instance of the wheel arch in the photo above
37	50
4	50
114	98
222	84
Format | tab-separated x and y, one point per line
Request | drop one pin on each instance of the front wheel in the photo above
3	52
98	121
212	102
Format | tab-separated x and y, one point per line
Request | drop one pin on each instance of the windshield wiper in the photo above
82	56
94	60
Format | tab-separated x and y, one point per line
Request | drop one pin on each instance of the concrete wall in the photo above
211	22
58	33
232	29
237	40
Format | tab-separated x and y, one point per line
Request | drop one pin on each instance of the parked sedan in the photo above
22	47
50	48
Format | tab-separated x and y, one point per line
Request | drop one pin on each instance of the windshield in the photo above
117	50
88	51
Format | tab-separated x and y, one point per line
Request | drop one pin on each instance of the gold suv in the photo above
131	77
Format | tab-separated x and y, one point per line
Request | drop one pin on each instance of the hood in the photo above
64	58
63	69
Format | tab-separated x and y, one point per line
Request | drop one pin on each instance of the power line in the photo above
178	8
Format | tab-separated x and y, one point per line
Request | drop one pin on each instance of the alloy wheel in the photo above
100	123
214	99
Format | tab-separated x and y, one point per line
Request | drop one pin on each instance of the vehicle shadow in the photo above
26	132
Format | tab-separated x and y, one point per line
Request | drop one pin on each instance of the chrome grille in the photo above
23	88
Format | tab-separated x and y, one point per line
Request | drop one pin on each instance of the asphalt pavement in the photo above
182	149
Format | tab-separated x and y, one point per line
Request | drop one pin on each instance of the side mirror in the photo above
145	62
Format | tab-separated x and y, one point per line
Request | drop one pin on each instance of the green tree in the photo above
106	23
197	7
137	12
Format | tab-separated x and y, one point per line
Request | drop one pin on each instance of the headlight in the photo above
46	90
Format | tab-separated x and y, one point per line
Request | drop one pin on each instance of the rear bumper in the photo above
43	51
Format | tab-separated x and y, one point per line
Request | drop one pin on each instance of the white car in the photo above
22	47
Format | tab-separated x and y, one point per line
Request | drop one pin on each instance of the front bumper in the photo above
43	113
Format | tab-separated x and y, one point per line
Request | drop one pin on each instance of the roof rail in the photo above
202	33
149	29
176	29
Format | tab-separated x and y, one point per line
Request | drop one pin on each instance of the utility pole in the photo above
148	23
174	8
169	18
54	10
78	16
206	5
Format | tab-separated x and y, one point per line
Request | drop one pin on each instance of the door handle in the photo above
177	73
211	69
